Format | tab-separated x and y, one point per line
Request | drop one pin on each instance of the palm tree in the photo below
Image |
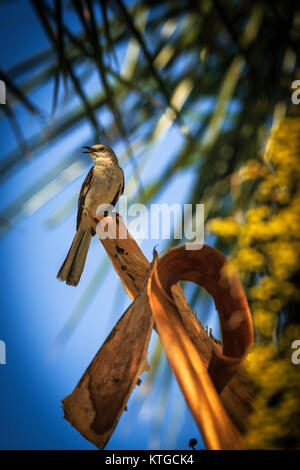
217	73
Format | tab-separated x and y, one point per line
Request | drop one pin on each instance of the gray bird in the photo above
103	184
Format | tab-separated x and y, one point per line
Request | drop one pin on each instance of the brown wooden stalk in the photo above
95	405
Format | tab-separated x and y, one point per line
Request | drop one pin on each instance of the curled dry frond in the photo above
200	366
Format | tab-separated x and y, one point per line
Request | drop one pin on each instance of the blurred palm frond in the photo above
131	73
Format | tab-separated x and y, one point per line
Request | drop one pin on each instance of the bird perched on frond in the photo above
103	185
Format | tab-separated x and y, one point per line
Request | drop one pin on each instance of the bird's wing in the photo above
83	192
123	183
120	191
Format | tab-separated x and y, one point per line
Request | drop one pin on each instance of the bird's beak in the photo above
90	149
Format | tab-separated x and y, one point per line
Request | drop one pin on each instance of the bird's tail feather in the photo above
73	265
